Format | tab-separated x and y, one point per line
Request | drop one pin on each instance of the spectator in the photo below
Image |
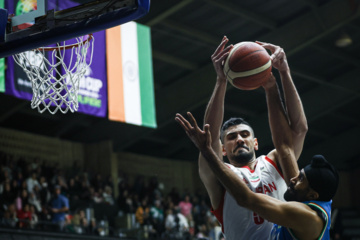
142	213
14	187
203	232
32	181
8	196
34	218
176	225
22	200
84	224
125	202
59	206
186	208
19	179
96	197
157	218
10	216
97	182
45	194
35	202
175	196
85	191
73	189
107	195
24	216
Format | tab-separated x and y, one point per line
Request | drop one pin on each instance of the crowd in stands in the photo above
37	195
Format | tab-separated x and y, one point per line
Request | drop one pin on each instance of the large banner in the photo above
130	75
93	86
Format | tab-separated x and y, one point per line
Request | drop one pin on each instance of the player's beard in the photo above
294	195
290	196
243	157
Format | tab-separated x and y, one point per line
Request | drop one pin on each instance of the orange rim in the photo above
90	36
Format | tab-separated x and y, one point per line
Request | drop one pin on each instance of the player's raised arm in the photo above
214	116
280	131
293	104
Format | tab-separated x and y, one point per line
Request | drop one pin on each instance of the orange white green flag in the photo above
130	75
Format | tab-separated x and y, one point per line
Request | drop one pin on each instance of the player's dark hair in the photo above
232	122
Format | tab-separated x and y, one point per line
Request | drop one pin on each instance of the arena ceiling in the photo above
184	35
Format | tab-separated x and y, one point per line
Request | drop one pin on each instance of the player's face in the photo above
239	144
298	188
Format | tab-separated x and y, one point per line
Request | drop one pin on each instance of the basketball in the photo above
248	66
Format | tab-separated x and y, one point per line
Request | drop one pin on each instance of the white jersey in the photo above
240	223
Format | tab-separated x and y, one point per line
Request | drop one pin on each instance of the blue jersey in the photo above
323	209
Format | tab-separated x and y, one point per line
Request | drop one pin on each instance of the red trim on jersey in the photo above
274	164
218	213
252	171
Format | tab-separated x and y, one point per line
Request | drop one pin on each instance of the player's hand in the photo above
54	210
270	82
201	138
278	56
219	57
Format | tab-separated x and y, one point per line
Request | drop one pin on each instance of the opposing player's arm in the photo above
300	218
281	132
214	116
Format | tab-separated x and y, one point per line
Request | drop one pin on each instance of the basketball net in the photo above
54	79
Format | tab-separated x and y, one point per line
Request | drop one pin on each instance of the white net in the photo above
55	73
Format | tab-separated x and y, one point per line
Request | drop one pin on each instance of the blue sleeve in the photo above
65	202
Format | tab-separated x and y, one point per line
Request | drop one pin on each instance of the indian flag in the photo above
130	75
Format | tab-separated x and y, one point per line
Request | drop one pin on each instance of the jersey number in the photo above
257	219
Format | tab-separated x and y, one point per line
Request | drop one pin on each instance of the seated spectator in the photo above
97	197
10	216
24	216
203	232
157	218
34	201
186	208
45	194
125	202
107	195
73	190
19	179
32	181
8	195
176	225
22	199
142	213
97	182
34	218
85	191
59	206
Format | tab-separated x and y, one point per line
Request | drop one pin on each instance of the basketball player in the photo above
239	144
306	216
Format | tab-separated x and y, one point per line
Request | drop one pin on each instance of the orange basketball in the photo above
248	66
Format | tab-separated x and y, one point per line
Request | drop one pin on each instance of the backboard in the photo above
44	25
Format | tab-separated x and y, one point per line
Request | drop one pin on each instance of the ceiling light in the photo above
344	40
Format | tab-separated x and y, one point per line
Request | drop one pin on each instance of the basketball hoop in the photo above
55	83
